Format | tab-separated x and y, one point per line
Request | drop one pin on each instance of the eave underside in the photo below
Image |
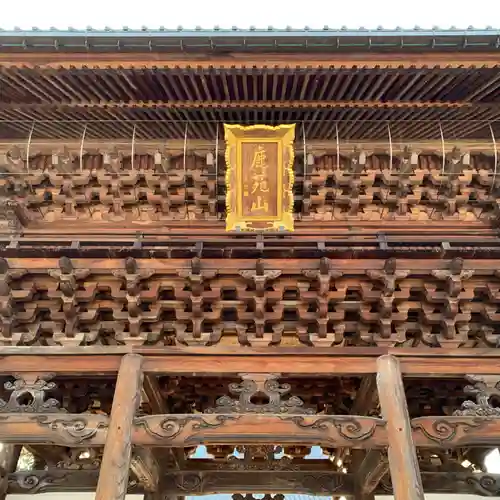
351	103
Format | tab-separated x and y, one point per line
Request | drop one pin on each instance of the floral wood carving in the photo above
483	387
260	393
28	395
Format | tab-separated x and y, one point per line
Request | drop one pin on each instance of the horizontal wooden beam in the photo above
310	361
202	483
454	432
117	60
47	146
268	104
483	267
179	430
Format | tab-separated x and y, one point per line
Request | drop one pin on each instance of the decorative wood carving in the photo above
196	483
463	483
58	429
80	459
483	388
450	432
266	387
227	482
259	458
252	302
259	177
259	429
363	188
29	394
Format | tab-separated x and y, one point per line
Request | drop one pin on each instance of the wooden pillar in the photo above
9	456
403	463
115	467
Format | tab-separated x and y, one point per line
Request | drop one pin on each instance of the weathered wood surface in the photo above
430	363
454	432
115	60
402	454
114	473
212	482
251	302
74	430
9	455
78	430
326	430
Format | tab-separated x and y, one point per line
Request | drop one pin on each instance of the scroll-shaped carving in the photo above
172	429
487	485
483	388
450	432
346	427
259	177
74	430
28	395
266	390
464	483
37	482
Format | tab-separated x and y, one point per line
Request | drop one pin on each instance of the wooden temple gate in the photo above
259	412
262	243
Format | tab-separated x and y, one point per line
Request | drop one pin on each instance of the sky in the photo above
259	13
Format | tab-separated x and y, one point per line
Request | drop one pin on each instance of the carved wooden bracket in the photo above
28	395
483	388
260	393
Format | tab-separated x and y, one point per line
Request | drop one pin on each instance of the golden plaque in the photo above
259	177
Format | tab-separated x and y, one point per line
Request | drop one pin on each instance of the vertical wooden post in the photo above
115	467
9	456
403	463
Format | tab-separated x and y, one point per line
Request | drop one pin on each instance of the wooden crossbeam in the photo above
180	430
176	146
282	104
117	60
317	361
